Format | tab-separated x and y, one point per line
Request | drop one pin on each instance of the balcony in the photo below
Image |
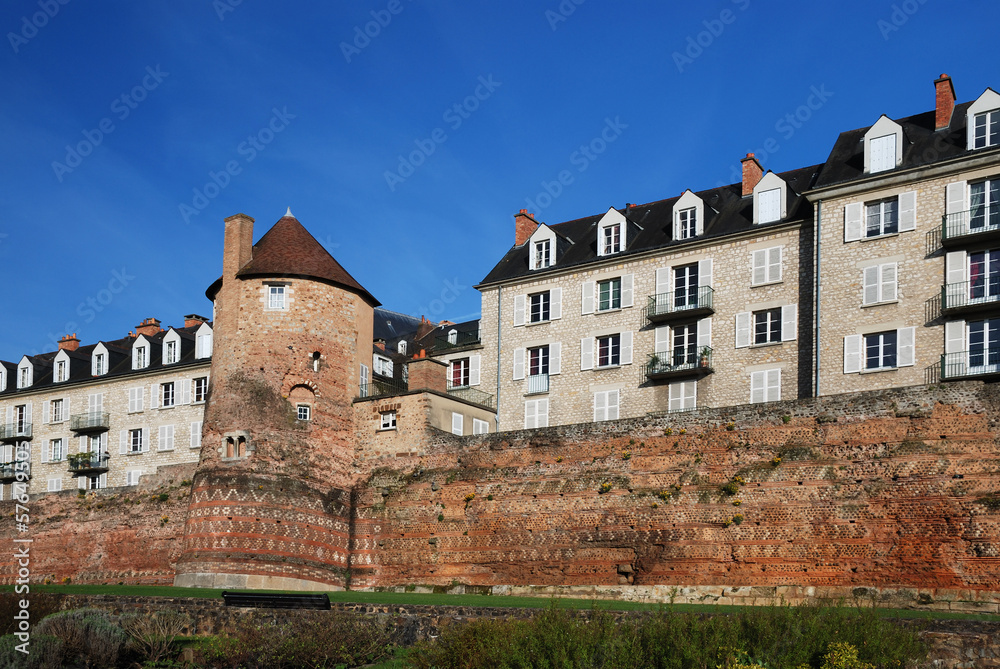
382	388
664	307
9	471
470	394
536	384
975	225
980	364
457	340
970	297
86	464
679	364
90	422
15	432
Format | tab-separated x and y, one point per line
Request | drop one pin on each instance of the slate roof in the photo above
651	226
392	326
119	362
288	250
922	146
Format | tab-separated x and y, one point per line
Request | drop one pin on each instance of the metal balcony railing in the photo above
971	222
980	362
9	470
458	339
88	463
15	431
666	304
473	395
90	422
383	388
669	363
537	383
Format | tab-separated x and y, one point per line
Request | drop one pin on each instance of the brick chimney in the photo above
427	373
69	343
524	226
194	320
944	94
425	328
238	246
148	327
752	174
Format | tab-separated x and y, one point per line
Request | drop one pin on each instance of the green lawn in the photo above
441	599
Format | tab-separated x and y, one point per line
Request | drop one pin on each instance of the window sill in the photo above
607	311
530	323
878	370
198	402
164	450
385	429
766	283
131	453
767	344
879	304
874	237
536	392
167	407
600	368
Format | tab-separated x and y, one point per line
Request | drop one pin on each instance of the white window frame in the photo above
541	254
609	241
883	153
171	351
132	476
544	307
99	361
61	450
766	266
614	354
203	381
387	420
135	441
303	412
277	296
541	234
765	386
140	355
25	373
382	365
686	203
880	284
606	405
61	371
168	395
988	107
612	306
54	485
57	410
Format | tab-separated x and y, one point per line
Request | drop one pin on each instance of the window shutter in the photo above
756	387
474	364
83	446
956	263
663	280
889	282
45	412
104	481
705	272
743	329
758	267
774	264
704	333
542	415
954	336
955	197
852	354
853	222
627	280
908	211
773	381
612	404
588	297
870	281
555	304
46	448
153	397
699	218
789	318
457	423
185	391
82	481
530	414
518	310
518	364
677	224
586	353
555	358
662	341
625	353
600	406
145	439
907	347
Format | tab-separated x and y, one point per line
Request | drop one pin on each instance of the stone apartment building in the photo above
875	269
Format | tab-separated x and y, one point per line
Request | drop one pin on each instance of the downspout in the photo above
816	318
499	295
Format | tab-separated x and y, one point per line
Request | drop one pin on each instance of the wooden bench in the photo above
276	600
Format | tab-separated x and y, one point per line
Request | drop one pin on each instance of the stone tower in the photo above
270	504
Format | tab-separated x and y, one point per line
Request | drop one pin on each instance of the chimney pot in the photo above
752	173
944	101
148	327
69	343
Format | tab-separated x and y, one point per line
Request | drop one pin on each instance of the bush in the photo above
87	635
779	636
325	640
45	652
153	635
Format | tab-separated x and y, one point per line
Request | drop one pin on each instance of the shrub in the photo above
605	487
154	635
738	519
87	635
44	652
730	488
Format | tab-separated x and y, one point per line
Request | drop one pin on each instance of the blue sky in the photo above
131	130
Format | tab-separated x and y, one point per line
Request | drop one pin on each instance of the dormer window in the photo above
770	198
453	337
3	378
401	347
543	254
689	214
611	239
883	153
770	205
99	364
203	342
62	371
170	352
140	356
687	220
24	376
983	121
